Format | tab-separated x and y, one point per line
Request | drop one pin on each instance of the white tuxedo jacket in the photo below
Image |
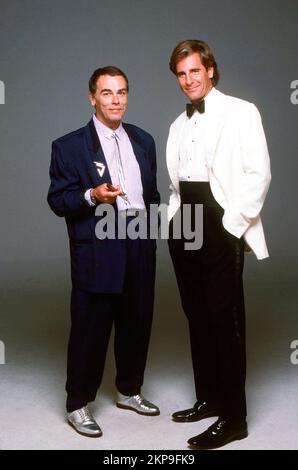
238	166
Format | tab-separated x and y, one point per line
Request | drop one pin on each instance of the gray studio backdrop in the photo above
48	50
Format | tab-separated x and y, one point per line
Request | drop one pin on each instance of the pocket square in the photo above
100	168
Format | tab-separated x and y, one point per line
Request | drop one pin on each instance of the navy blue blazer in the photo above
96	265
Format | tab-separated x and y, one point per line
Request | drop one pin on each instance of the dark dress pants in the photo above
211	290
92	318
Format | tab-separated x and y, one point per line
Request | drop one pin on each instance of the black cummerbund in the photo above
194	192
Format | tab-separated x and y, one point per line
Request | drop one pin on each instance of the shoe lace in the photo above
139	398
219	424
85	415
142	401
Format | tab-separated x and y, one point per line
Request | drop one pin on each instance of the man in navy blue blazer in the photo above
112	163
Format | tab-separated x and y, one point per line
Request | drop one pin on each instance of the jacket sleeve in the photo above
155	196
174	200
66	195
256	176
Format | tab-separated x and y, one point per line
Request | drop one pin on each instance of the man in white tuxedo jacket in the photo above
217	156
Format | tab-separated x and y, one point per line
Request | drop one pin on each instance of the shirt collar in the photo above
210	103
105	131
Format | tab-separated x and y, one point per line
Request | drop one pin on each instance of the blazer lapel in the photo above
140	156
97	166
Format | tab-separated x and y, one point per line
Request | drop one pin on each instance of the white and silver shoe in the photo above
84	423
137	403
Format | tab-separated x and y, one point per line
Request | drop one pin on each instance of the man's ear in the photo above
91	98
210	72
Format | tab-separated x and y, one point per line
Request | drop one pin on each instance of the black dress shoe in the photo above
219	434
199	411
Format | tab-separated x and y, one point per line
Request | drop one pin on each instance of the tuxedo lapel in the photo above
215	122
173	146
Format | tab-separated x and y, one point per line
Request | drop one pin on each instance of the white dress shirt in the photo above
192	151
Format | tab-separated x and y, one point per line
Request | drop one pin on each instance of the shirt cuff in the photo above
87	196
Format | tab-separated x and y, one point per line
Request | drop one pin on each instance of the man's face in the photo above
194	79
110	100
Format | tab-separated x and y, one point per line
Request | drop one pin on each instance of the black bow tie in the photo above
191	107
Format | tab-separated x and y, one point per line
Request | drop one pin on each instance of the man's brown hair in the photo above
108	70
190	46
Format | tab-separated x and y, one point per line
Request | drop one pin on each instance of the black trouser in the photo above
92	318
211	289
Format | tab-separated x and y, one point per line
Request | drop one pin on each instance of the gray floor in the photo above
35	328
